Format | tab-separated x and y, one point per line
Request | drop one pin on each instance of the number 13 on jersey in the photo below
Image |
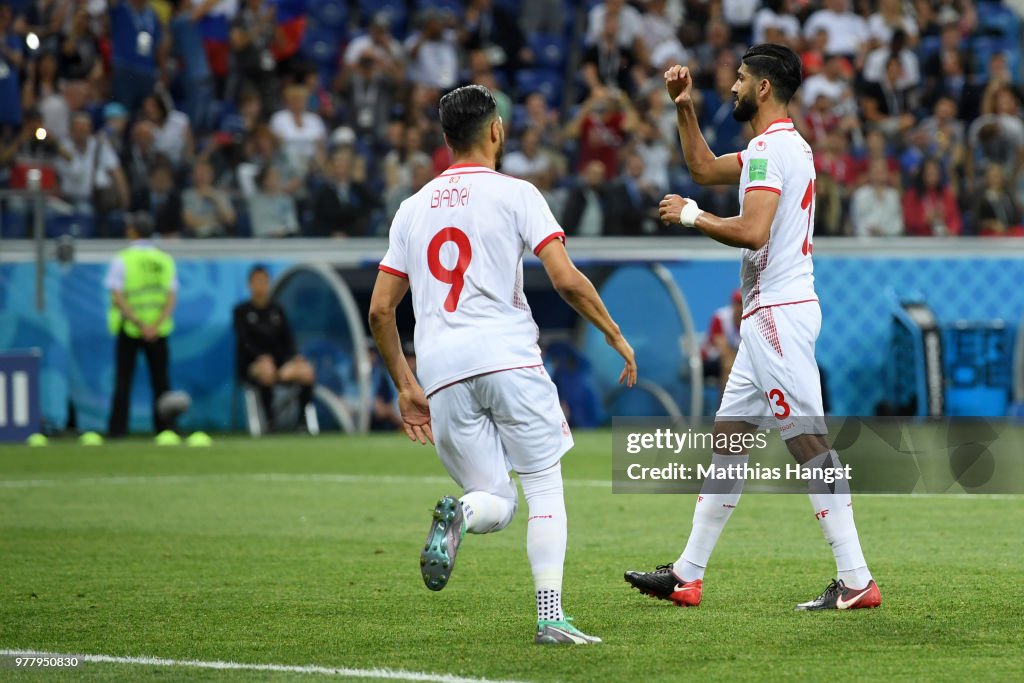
451	276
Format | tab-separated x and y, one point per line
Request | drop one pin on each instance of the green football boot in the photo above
446	531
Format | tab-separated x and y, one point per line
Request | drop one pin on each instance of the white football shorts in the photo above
486	425
774	380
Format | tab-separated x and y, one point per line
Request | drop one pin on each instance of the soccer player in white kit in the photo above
774	380
485	401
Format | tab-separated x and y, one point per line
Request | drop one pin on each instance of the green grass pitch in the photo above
304	551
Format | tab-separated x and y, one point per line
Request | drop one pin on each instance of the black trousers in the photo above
157	360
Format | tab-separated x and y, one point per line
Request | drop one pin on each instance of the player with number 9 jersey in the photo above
461	240
482	395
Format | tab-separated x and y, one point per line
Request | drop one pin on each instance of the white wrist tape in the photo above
688	216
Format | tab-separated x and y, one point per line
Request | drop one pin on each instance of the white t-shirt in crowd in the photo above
299	141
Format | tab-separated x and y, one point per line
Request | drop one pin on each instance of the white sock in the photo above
710	514
486	512
546	535
833	507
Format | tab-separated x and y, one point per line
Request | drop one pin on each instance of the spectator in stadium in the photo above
28	146
251	37
997	136
716	49
544	119
194	78
530	160
91	178
649	145
995	211
659	27
631	201
140	156
408	150
397	191
172	132
263	149
836	172
207	210
11	60
607	63
115	127
888	21
930	207
832	83
42	79
495	31
434	51
945	129
387	51
45	18
585	206
265	350
875	62
139	50
80	57
722	340
367	90
739	14
886	104
724	134
777	15
343	205
161	200
143	285
602	125
847	31
272	211
58	108
875	209
628	24
302	133
951	77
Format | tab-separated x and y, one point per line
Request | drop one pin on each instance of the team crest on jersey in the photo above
760	145
758	169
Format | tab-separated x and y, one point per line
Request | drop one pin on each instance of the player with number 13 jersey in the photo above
774	380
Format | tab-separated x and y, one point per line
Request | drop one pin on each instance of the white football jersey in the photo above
780	272
461	240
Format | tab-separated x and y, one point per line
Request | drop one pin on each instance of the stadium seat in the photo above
549	83
453	6
330	14
322	47
395	9
551	50
995	18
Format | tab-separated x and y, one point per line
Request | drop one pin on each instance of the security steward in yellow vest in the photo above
143	285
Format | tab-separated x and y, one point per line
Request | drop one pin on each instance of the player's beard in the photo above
745	109
499	153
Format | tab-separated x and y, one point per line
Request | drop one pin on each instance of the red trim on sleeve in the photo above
544	242
739	158
392	271
750	188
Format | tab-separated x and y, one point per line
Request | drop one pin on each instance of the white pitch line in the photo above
344	672
330	478
264	477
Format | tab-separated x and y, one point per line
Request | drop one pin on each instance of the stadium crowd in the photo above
276	118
